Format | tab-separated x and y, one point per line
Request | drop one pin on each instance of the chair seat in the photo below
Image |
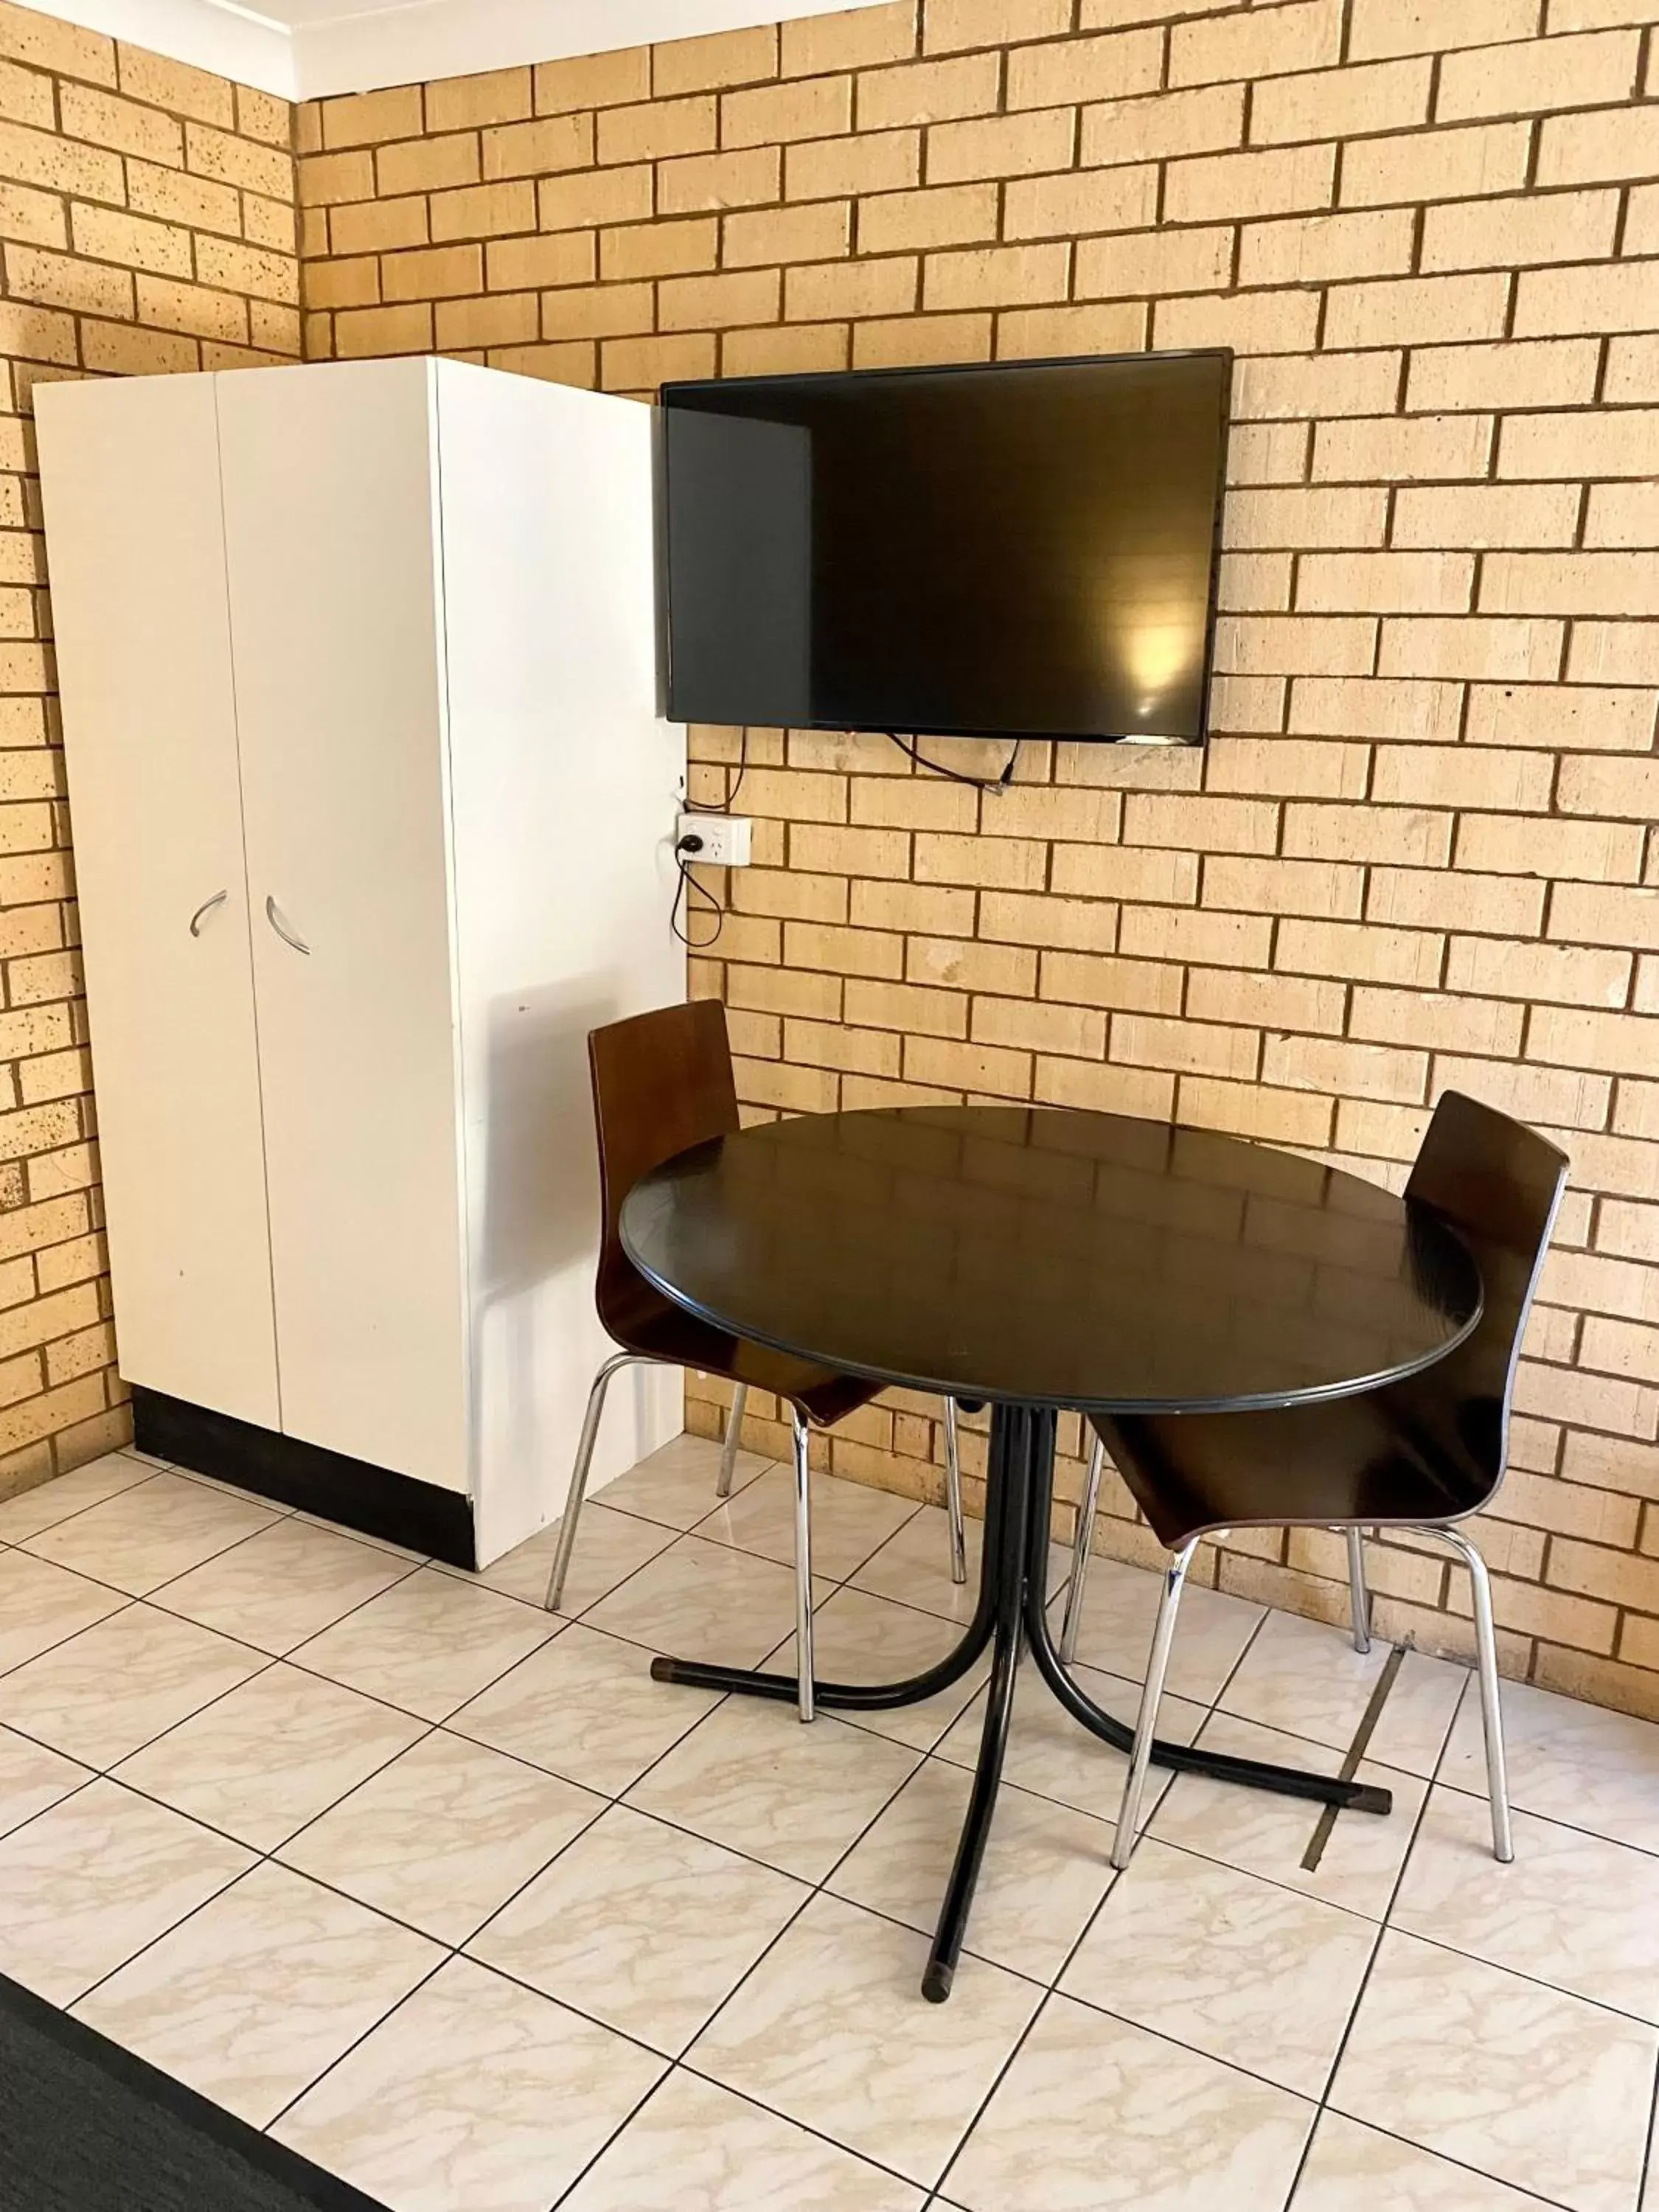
1390	1457
680	1339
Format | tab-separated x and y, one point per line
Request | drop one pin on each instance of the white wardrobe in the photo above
373	812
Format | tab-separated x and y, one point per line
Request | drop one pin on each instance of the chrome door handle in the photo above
204	910
282	928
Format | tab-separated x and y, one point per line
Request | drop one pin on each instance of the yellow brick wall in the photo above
1418	849
146	224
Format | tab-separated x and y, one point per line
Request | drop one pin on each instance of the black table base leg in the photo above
1179	1758
1012	1610
1008	1496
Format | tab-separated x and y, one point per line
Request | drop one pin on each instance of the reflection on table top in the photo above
1073	1259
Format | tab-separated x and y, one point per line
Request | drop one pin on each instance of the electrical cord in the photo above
686	850
723	806
996	785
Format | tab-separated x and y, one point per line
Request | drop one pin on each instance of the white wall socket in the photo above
726	838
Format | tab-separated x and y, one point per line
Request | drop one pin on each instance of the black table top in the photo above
1057	1258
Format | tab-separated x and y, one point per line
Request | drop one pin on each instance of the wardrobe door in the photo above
334	613
129	473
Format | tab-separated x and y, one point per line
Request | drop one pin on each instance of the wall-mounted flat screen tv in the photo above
1024	549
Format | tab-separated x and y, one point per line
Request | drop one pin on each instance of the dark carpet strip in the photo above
86	2127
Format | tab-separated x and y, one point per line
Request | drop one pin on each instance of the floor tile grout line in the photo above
1324	2100
222	1551
1053	1989
461	1949
814	1891
148	1472
457	1950
1647	2145
46	1649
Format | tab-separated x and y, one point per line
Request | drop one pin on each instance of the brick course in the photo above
1418	850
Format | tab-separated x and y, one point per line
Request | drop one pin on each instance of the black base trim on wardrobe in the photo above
87	2127
353	1491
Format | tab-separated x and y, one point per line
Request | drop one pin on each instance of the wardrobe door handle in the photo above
282	928
204	910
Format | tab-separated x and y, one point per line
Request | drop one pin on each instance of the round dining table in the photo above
1043	1260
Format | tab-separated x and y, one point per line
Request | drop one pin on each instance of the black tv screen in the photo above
1025	550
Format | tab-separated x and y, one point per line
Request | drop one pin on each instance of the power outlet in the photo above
725	841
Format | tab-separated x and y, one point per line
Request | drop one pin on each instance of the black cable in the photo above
724	806
995	784
689	888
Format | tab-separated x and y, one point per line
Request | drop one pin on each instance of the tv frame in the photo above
665	591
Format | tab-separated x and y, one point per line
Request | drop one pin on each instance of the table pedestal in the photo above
1012	1616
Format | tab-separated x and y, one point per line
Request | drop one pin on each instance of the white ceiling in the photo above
302	49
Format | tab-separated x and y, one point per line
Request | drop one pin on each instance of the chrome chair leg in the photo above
1359	1601
803	1570
1492	1718
1128	1818
1080	1553
953	1495
573	1503
732	1439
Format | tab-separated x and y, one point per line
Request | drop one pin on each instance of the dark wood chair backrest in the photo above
662	1082
1498	1184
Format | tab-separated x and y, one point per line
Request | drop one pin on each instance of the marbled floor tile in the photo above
41	1605
1120	1606
257	1993
859	1637
402	1551
35	1509
261	1762
1532	2087
444	1835
1045	1871
642	1926
1049	1752
1571	1909
676	1485
95	1878
914	1566
226	1489
585	1706
288	1582
1578	1764
145	1536
850	1521
610	1546
31	1778
831	2029
701	1601
695	2148
1356	2169
1305	1678
1267	1835
115	1686
754	1778
1095	2112
1230	1964
473	2096
428	1643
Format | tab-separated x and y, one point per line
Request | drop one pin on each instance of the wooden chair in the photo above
1418	1455
663	1082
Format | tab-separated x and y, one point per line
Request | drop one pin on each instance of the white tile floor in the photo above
452	1897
